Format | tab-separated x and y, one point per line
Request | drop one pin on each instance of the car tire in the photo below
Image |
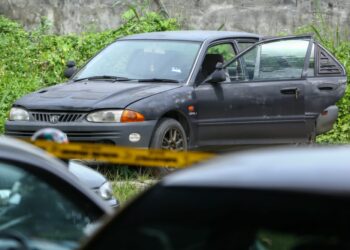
169	135
312	137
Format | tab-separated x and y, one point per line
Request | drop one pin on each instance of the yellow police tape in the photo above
123	155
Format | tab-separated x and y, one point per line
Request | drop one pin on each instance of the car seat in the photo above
208	66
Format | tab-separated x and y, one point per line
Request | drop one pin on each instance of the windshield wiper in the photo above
104	77
158	80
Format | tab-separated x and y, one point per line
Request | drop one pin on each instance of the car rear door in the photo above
326	79
264	95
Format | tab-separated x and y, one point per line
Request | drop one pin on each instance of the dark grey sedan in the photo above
192	89
290	199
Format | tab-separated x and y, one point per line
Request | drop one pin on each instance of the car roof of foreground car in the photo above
191	35
20	151
303	187
323	170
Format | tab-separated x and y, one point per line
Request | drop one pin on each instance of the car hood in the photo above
86	175
89	95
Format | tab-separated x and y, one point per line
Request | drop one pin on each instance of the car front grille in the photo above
56	117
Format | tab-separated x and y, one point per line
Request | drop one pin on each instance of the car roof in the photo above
19	151
324	170
191	35
257	186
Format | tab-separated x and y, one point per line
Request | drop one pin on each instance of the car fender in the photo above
166	103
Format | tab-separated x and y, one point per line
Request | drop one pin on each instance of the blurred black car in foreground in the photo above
43	205
271	199
192	89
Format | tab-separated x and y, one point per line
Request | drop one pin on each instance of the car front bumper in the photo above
117	134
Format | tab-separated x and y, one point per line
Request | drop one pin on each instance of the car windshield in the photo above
143	59
38	213
229	219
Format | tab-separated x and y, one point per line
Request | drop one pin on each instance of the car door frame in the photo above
317	110
215	122
306	126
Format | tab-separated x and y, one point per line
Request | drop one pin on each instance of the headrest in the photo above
210	62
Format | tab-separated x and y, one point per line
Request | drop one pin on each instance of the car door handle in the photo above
325	88
289	91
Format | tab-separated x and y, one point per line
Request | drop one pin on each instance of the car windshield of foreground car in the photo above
230	218
142	60
179	237
34	214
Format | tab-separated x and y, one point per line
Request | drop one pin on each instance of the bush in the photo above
32	60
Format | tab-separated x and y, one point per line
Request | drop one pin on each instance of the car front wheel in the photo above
169	135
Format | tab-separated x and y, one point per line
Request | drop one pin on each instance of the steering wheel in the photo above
17	237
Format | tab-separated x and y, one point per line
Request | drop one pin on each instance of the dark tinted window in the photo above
179	237
327	65
206	218
34	208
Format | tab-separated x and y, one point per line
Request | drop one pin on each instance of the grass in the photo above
125	191
128	182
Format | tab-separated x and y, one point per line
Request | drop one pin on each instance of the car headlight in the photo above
106	191
18	114
115	116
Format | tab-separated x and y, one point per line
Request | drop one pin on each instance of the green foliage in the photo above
32	60
128	182
336	41
223	49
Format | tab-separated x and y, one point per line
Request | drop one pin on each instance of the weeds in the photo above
127	181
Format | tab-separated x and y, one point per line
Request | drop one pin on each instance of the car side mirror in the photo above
218	75
70	70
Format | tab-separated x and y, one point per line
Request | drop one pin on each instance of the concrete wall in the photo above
262	16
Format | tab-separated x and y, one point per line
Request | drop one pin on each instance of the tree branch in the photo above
162	8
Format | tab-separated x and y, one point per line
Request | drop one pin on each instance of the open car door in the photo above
263	97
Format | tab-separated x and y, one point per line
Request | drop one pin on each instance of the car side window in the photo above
244	45
327	64
225	50
223	53
34	208
276	60
311	69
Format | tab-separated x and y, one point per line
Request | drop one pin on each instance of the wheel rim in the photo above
173	139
